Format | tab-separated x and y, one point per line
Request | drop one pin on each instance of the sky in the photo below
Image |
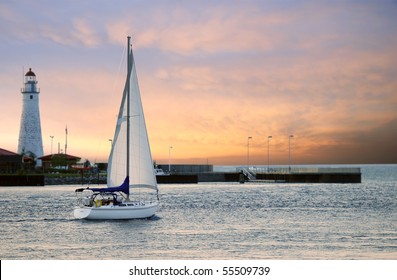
211	74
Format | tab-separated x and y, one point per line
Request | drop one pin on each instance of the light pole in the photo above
52	138
169	159
248	152
289	152
268	153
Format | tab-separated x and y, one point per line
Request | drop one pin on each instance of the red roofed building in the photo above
58	161
10	162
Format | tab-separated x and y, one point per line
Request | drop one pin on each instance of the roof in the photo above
30	73
49	157
7	153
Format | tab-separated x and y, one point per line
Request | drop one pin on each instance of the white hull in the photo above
111	212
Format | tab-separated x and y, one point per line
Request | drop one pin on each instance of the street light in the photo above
169	158
248	152
289	152
52	138
268	153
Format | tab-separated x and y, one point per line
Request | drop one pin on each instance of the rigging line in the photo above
116	80
140	117
116	83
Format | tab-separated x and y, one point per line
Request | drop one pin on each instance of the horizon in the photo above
210	76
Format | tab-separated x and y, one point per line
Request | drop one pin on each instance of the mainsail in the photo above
140	171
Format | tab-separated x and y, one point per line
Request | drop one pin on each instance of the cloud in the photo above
78	33
374	145
212	74
214	29
47	23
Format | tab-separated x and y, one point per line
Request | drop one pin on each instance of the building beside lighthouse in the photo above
30	141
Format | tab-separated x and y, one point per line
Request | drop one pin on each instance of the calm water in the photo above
213	221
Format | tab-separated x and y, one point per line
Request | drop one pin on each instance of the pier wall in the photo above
311	177
186	168
21	180
178	179
192	174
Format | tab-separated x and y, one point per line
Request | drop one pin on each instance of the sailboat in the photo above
130	166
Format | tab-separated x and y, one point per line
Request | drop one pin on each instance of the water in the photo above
213	221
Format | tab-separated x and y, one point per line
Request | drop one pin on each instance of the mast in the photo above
128	103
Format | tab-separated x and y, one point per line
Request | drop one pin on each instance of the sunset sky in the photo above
212	74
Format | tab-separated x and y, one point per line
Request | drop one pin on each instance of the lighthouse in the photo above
30	142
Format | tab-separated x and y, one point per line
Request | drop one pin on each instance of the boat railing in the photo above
249	173
302	170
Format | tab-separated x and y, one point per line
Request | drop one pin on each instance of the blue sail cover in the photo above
124	187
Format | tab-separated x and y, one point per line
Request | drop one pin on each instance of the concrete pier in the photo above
305	174
311	177
193	174
21	180
262	178
278	175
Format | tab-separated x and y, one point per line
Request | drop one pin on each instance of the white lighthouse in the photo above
30	141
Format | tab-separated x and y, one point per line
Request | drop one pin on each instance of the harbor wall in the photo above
186	168
192	174
206	177
77	180
21	180
178	179
311	177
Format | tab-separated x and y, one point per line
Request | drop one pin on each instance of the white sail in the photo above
141	170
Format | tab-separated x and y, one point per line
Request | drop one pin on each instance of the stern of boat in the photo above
81	213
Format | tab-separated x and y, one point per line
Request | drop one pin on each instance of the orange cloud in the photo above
211	79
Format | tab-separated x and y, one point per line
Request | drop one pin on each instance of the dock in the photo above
193	174
304	174
21	180
181	174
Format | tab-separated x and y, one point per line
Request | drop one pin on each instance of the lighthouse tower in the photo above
30	141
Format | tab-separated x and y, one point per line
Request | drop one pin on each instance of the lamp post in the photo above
268	153
169	159
289	152
248	152
52	138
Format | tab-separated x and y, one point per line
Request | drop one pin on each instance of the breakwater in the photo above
21	180
242	175
340	178
86	180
